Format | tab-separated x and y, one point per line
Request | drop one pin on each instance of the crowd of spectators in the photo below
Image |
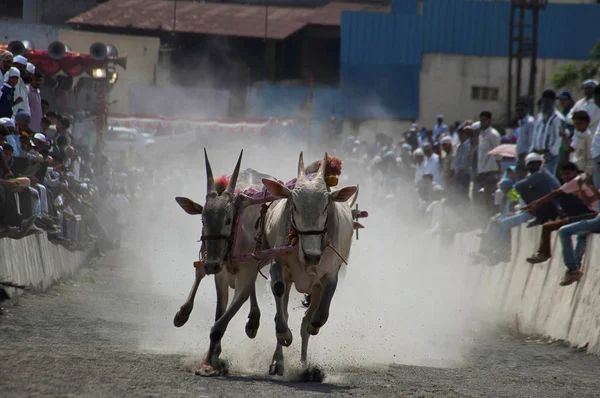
49	184
544	170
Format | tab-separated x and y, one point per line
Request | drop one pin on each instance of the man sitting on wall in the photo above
577	199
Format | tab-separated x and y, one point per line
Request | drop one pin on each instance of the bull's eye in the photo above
228	221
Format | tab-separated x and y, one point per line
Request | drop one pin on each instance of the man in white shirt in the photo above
427	163
581	144
21	98
588	104
488	166
547	137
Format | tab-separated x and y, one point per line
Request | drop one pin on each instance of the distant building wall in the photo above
40	35
142	60
447	82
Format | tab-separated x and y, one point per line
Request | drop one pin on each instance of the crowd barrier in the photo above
529	296
36	262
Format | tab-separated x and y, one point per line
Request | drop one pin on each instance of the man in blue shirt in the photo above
439	128
526	126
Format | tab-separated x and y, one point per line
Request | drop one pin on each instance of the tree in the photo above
571	75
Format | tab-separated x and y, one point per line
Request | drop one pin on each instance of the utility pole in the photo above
525	35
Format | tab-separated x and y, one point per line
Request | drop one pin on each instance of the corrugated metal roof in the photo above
212	18
370	38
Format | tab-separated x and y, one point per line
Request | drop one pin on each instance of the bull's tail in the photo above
354	198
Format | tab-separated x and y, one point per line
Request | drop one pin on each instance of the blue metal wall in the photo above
476	27
380	62
406	7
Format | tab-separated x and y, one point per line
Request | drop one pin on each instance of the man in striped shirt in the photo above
549	124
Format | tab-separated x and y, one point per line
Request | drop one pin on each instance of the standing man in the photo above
439	128
526	127
462	164
488	166
21	101
547	137
448	165
588	104
35	103
7	92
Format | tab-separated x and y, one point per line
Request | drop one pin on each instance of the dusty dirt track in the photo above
58	344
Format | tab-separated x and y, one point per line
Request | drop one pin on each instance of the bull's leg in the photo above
281	321
281	292
244	285
316	298
184	312
254	316
321	315
222	288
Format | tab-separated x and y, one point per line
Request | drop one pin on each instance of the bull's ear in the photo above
276	189
189	205
343	195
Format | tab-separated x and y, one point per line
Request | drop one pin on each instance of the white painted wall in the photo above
446	81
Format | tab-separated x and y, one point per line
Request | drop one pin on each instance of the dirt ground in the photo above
58	345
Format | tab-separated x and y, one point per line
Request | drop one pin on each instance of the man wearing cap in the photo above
526	126
448	165
549	131
7	93
439	128
21	100
587	104
35	102
411	138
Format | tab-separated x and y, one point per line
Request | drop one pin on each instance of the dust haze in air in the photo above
402	298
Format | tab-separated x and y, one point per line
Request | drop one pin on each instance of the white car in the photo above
118	140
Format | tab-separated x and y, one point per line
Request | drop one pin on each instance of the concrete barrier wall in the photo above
34	261
531	300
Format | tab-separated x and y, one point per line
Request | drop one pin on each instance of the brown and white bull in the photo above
322	223
218	215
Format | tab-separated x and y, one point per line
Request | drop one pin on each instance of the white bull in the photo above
322	223
218	214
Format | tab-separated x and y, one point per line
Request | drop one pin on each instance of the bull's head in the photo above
217	218
310	206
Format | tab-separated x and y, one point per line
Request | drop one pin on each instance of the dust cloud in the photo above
402	299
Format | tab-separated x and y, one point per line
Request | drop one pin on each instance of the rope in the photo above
336	252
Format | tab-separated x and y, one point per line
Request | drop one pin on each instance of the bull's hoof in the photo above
252	325
206	370
285	338
276	368
181	318
312	374
312	330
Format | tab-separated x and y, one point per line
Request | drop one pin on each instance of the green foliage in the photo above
571	75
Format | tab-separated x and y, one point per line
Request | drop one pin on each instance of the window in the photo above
480	93
11	8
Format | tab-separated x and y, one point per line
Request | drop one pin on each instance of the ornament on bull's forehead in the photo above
221	183
332	170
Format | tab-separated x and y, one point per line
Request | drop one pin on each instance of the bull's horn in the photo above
234	176
301	165
210	181
322	167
